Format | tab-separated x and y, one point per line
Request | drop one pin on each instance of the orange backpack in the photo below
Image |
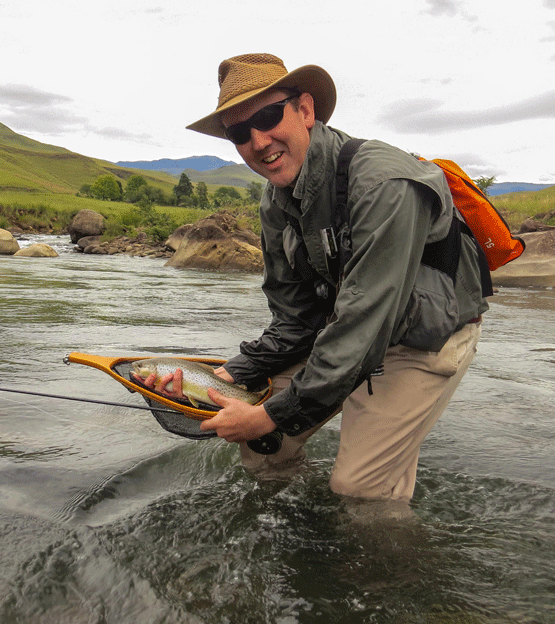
487	225
494	242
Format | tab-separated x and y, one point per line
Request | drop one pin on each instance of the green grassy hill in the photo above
40	183
37	174
28	166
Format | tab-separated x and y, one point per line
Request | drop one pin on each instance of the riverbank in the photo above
219	242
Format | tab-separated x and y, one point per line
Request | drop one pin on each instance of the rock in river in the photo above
37	250
535	267
8	244
218	243
86	223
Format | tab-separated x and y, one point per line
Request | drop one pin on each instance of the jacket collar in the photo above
317	169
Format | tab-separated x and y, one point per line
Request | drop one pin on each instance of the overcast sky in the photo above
470	80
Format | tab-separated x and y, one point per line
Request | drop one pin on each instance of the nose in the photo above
259	139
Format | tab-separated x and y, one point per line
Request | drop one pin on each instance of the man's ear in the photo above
306	107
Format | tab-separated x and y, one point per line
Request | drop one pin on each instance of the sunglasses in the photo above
265	119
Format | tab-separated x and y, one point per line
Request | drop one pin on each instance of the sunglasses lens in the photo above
239	133
268	117
265	119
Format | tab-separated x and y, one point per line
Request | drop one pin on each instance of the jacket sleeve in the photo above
298	314
389	228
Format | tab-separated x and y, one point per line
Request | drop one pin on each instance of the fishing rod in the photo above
266	445
84	400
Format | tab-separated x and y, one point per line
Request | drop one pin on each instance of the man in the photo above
327	336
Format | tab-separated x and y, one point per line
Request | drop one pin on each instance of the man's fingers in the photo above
221	372
218	397
175	379
208	424
163	382
178	383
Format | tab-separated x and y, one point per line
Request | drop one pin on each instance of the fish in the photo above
197	378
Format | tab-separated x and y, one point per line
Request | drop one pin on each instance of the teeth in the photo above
272	158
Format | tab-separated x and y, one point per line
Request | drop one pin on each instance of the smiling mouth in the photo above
270	159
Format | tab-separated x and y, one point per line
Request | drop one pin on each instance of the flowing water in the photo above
107	518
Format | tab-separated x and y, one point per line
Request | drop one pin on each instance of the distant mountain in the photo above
29	166
231	175
207	169
502	188
177	166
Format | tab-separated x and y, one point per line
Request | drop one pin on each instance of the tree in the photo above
184	188
227	193
135	188
254	192
107	188
484	183
85	190
202	194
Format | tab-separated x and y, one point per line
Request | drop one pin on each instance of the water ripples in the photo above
105	517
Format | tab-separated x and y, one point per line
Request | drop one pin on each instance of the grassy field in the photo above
55	209
52	212
517	207
40	184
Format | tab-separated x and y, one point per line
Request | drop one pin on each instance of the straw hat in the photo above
243	77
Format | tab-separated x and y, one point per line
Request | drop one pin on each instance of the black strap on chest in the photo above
442	255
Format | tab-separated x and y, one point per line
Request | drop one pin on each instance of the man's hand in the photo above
221	372
160	387
177	379
237	421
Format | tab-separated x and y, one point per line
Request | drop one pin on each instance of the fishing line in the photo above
84	400
62	419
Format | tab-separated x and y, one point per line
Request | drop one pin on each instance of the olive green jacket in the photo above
397	204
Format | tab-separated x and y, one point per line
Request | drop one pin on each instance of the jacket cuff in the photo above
245	372
284	408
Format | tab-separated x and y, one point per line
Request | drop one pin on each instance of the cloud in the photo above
476	166
442	7
549	4
31	110
122	135
425	115
25	96
550	37
36	110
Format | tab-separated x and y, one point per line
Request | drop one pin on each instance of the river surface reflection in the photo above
105	517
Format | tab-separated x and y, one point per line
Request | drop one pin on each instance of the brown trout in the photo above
197	378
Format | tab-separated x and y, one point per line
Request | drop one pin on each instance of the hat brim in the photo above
307	79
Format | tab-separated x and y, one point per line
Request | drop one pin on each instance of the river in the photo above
107	518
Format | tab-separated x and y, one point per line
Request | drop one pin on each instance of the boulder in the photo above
533	225
176	237
86	241
37	250
218	243
535	267
86	223
8	244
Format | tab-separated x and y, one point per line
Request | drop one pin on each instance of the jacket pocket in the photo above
432	314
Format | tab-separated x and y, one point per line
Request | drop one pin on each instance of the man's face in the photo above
277	154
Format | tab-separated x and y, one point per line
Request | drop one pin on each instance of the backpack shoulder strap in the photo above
341	228
443	255
348	150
